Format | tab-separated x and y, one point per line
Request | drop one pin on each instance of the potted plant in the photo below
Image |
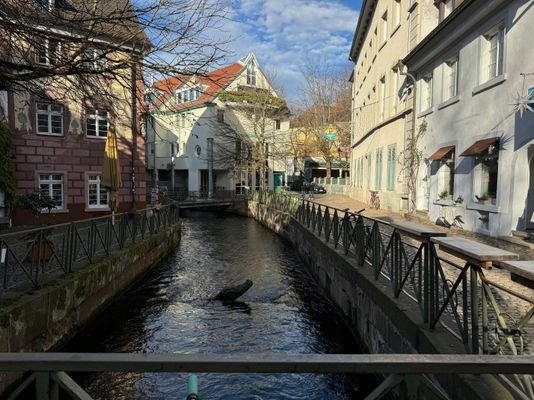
483	198
444	195
459	200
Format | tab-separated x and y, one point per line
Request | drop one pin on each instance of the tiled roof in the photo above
213	82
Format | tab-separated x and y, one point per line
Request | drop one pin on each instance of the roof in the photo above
116	21
214	82
366	14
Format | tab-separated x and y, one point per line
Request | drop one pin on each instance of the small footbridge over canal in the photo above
422	304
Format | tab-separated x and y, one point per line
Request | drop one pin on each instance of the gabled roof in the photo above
213	82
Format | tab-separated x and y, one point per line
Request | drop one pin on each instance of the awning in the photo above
479	146
441	153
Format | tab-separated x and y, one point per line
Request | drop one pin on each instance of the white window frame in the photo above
492	54
396	14
385	31
382	98
478	174
50	114
426	93
47	181
90	179
93	113
95	58
251	75
44	57
450	78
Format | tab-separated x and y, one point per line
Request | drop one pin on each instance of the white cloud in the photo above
285	35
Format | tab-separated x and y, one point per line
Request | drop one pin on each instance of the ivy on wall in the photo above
253	96
7	169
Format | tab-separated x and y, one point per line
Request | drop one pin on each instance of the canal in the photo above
170	311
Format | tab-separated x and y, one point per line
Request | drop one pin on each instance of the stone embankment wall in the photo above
49	316
381	322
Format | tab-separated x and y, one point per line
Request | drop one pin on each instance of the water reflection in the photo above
171	311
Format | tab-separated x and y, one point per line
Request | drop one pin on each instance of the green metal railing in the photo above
29	257
407	372
485	316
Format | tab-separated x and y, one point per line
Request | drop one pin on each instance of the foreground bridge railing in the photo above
407	372
30	257
486	316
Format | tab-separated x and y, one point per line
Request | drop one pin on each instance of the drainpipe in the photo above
400	65
210	167
134	130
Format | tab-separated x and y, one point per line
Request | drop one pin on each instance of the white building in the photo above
474	70
225	118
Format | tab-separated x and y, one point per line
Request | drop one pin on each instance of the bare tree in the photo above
73	48
326	97
247	139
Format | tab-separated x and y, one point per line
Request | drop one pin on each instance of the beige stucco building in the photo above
382	117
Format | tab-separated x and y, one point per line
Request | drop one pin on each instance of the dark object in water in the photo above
232	293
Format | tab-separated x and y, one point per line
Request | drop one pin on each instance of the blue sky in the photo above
285	35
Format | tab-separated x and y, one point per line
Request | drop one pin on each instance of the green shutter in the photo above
378	169
369	163
391	167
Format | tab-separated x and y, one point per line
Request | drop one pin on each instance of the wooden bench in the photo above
416	231
476	253
521	272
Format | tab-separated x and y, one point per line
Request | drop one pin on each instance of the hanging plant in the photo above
7	169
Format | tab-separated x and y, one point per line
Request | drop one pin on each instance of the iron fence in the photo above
487	317
407	372
30	257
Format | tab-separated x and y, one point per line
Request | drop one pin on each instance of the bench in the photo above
521	272
474	252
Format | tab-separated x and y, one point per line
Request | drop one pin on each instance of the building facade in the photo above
58	129
382	117
474	74
226	126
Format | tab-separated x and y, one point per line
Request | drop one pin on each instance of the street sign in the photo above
330	133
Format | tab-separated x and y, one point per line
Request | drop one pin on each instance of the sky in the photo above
285	35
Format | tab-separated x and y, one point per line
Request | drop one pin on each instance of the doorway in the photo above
530	194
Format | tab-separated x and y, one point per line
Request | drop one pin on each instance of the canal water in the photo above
169	311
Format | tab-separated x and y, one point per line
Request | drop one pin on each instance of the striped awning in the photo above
441	153
479	146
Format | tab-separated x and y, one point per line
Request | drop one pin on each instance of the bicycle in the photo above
374	202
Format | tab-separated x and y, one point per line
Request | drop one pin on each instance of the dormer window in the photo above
187	95
251	75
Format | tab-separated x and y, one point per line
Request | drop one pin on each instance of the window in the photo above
384	27
450	78
378	169
448	7
382	98
486	172
251	75
174	149
51	185
97	196
183	120
492	54
49	119
96	123
45	5
48	52
220	115
446	166
395	87
426	93
391	167
277	124
396	13
94	58
198	150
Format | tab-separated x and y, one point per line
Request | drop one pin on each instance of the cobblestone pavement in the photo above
512	307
